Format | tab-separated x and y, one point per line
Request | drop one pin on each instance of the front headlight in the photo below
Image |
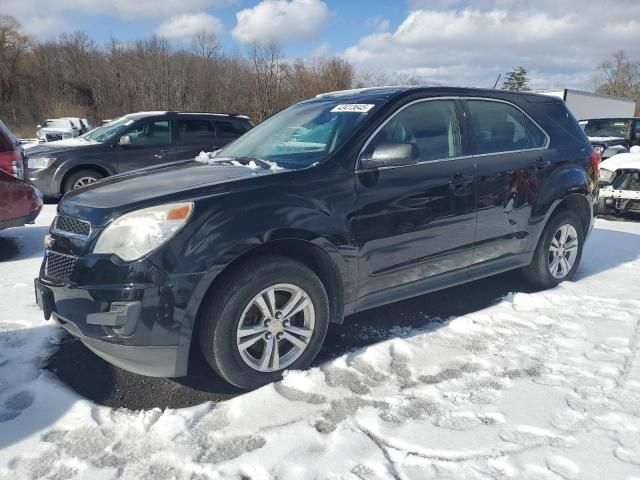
606	176
38	163
138	233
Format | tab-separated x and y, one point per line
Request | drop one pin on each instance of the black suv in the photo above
335	205
134	141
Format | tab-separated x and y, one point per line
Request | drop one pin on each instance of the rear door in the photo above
151	144
415	221
510	151
194	135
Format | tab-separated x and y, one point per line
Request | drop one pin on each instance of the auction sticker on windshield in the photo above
353	107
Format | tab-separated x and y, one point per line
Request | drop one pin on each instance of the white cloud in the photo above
126	9
282	20
378	23
560	43
185	26
322	50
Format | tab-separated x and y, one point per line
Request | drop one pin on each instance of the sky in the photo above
448	42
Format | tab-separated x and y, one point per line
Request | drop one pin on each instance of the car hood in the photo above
622	160
56	130
607	140
60	146
113	196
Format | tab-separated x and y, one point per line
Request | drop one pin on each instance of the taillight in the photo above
596	158
11	162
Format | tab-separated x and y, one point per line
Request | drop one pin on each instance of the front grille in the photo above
52	137
59	267
65	224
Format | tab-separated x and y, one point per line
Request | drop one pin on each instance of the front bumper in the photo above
151	361
43	181
132	315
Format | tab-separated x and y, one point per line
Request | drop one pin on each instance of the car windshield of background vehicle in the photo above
607	128
108	131
57	124
301	135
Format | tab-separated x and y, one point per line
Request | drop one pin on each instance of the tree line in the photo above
72	76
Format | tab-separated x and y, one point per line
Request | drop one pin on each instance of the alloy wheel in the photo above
83	182
275	328
563	251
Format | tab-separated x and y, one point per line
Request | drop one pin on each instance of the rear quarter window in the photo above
560	117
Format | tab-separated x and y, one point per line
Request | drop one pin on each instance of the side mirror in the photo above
124	141
38	126
391	155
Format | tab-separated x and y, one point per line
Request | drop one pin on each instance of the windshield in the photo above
57	124
108	131
302	134
606	128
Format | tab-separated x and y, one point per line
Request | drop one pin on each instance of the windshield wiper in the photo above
258	161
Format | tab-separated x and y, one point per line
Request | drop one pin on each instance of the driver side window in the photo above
151	134
431	126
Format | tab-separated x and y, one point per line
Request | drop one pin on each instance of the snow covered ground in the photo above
538	386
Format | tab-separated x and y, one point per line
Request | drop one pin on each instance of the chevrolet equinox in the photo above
335	205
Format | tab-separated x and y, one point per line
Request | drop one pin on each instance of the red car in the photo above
20	203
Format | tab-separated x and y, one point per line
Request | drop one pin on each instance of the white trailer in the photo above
584	105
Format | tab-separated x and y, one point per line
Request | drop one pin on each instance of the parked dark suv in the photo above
134	141
336	205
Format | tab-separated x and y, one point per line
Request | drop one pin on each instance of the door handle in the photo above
460	180
542	163
161	154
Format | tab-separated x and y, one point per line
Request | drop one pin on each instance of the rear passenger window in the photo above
194	130
500	127
432	126
228	129
535	136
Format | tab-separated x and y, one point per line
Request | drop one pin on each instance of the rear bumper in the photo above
21	221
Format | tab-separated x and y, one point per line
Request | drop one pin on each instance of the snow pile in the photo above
211	158
538	386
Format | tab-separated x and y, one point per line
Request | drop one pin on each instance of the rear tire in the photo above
80	179
246	323
558	253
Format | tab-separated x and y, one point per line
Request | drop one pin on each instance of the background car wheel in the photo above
558	253
80	179
271	315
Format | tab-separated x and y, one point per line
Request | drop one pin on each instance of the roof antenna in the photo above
497	80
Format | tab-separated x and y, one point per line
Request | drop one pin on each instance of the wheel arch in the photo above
62	175
306	252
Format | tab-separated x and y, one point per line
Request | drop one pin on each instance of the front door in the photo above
415	221
150	145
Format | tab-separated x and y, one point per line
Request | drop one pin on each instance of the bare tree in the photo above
619	76
73	76
205	45
13	45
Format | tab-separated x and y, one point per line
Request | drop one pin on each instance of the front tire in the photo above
558	253
271	314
